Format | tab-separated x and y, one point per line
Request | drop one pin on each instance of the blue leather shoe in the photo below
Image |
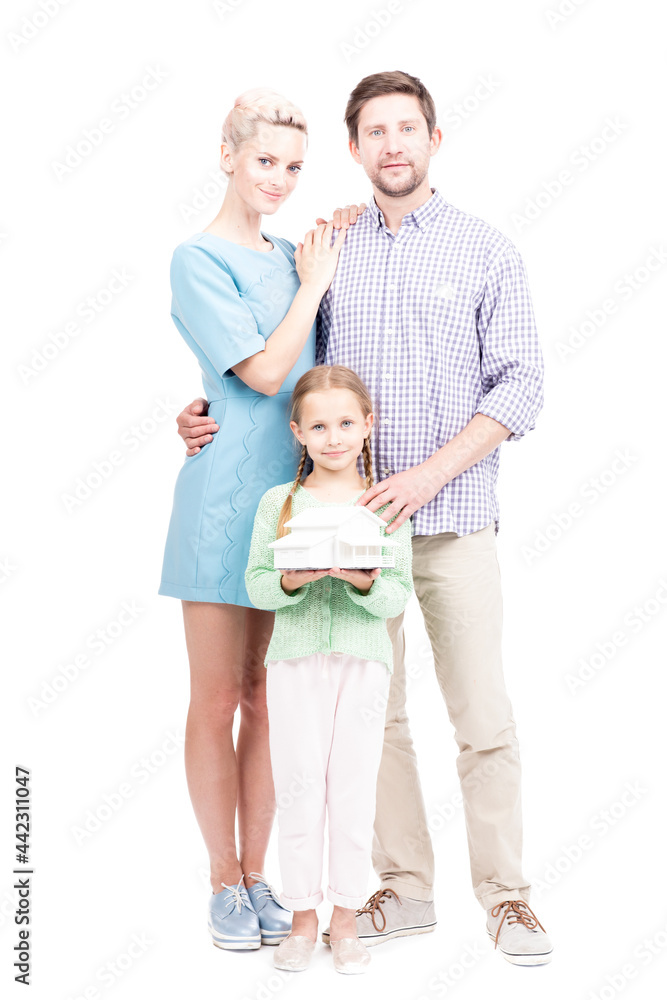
232	920
275	921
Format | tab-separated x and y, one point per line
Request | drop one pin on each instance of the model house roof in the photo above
320	517
354	525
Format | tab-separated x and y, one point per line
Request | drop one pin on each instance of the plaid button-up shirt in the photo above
437	320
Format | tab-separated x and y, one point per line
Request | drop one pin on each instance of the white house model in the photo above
322	537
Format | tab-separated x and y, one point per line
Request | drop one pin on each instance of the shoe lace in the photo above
374	905
517	912
237	900
266	888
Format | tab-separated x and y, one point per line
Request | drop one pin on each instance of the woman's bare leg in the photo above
215	639
256	799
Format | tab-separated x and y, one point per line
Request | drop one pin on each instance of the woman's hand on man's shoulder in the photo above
343	218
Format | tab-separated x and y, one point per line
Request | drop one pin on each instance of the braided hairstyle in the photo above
316	380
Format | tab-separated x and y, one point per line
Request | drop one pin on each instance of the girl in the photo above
328	661
245	302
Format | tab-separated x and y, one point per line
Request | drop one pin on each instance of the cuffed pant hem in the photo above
349	902
409	889
491	899
304	903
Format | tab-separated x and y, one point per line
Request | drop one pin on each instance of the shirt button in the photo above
386	421
386	472
392	288
389	333
387	375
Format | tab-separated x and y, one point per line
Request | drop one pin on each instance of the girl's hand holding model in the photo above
362	579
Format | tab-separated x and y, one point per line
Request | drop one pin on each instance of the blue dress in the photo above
227	300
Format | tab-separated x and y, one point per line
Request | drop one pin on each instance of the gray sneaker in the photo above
518	934
387	915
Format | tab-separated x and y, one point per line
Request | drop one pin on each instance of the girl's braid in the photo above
368	462
286	509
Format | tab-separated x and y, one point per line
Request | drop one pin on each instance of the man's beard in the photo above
407	187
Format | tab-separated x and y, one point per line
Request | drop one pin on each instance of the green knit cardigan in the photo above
326	615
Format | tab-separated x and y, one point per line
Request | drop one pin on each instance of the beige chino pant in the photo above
457	582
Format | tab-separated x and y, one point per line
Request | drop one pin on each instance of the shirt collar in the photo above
421	216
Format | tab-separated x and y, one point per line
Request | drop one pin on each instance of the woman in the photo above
245	302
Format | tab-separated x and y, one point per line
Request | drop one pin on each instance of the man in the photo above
431	308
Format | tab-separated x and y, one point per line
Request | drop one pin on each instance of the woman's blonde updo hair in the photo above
255	108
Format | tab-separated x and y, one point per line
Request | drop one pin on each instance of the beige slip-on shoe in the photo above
350	956
294	953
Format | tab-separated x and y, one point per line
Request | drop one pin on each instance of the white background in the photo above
552	81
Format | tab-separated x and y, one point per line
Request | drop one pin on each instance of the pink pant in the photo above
326	728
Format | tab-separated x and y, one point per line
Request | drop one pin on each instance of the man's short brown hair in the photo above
380	84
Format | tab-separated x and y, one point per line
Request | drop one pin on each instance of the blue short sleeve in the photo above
209	312
285	244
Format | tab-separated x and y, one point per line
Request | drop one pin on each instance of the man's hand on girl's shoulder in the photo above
404	492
